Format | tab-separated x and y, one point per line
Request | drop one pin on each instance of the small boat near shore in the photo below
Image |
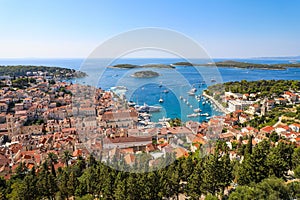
192	115
164	119
131	103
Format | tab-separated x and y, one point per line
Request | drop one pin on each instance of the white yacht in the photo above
205	114
192	115
164	119
197	110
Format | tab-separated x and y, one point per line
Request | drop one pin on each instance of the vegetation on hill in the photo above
265	88
261	175
22	70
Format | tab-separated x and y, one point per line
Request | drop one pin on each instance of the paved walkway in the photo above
221	107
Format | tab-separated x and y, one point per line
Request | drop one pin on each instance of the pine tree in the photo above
194	184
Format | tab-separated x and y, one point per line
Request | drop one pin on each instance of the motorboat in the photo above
160	100
205	114
197	110
164	119
191	92
192	115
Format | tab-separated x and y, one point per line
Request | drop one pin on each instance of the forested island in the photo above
231	63
30	70
145	74
226	63
131	66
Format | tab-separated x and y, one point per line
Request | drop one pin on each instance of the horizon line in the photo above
252	57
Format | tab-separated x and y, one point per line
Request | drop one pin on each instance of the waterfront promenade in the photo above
219	106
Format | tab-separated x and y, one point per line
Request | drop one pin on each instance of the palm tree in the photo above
66	157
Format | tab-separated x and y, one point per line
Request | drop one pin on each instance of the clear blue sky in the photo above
68	28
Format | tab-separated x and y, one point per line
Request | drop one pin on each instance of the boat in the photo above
180	97
190	93
203	103
147	108
160	85
184	100
197	110
166	91
191	106
204	114
160	100
213	80
192	115
164	119
131	103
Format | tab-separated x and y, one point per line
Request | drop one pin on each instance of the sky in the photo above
73	29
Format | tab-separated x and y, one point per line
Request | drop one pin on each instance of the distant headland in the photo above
30	70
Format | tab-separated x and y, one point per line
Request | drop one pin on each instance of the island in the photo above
246	65
145	74
131	66
30	70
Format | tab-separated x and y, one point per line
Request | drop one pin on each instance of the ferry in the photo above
147	108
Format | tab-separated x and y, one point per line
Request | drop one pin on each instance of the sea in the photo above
172	86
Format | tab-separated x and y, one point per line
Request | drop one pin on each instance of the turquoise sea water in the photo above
177	81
